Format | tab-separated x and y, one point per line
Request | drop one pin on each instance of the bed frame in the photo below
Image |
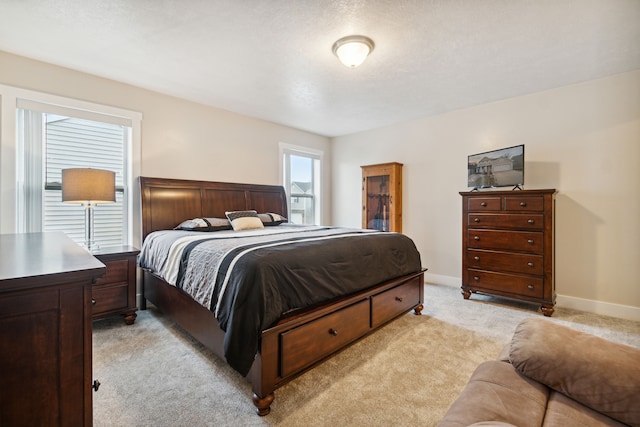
296	342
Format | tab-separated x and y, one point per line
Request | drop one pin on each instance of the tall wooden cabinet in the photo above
45	330
382	197
508	245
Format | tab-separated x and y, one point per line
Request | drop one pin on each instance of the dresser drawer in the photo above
389	304
518	241
505	261
306	344
524	203
117	271
508	283
516	221
109	298
485	204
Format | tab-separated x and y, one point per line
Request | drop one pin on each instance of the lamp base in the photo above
89	242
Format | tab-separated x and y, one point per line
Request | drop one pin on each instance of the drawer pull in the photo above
476	238
476	258
96	385
476	278
476	219
530	221
523	204
399	299
333	332
483	204
93	302
530	264
530	287
530	241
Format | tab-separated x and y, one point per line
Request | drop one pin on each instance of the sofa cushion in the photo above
598	373
564	411
497	393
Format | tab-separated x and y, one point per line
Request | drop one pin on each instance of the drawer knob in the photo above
333	332
476	238
476	278
523	204
483	204
530	241
476	219
530	221
399	299
96	385
530	264
476	258
93	302
530	287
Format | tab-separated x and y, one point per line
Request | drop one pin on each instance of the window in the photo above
301	173
52	138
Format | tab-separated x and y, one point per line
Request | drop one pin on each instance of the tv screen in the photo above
497	168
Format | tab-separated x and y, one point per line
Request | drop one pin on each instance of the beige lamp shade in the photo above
88	186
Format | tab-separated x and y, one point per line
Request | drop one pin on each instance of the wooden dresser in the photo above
508	245
45	330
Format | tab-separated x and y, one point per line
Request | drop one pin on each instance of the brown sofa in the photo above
552	375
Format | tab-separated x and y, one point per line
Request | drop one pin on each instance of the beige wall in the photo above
179	139
583	140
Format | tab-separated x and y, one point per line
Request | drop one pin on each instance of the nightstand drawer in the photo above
109	298
117	271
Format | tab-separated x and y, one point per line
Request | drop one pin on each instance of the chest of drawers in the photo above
508	245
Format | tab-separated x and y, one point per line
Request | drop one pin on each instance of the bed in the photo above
299	338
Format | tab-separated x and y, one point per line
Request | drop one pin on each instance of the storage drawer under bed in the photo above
395	301
309	343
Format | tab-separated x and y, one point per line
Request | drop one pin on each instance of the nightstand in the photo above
115	292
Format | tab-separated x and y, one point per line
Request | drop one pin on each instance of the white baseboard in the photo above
599	307
590	306
438	279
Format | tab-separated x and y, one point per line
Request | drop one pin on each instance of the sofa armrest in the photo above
598	373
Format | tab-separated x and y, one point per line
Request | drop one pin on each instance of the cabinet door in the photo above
382	197
42	354
378	202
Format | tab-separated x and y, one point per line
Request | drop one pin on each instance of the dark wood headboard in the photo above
168	202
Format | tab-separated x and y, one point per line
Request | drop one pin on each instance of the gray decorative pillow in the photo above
204	224
269	219
244	220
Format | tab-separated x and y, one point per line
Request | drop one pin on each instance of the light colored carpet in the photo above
408	373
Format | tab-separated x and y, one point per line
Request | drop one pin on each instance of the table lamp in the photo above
88	187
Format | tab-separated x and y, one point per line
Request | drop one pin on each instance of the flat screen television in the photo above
497	168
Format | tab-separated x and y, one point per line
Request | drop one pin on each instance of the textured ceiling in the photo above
272	59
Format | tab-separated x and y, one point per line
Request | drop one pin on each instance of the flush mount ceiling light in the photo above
353	50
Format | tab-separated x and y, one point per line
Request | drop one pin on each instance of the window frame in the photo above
12	99
287	150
